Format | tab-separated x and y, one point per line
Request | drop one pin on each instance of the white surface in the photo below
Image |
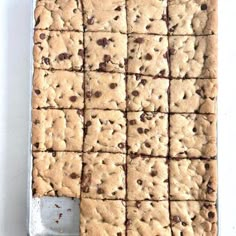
14	93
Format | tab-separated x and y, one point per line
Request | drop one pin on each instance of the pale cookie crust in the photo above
193	95
105	91
108	15
148	133
57	174
57	89
196	17
148	55
105	131
193	56
58	130
148	218
147	16
147	93
58	50
102	218
147	178
193	180
103	176
58	15
192	135
105	51
193	218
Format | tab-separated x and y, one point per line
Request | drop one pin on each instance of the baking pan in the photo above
47	215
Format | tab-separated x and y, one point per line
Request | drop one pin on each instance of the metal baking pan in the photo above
47	216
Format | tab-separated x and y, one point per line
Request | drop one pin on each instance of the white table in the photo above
14	90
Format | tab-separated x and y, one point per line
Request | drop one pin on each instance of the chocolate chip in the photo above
119	234
172	51
184	223
54	154
88	94
211	215
147	145
102	66
116	18
90	21
128	222
207	166
132	122
37	91
118	8
103	42
42	36
148	57
143	81
36	122
138	204
140	130
113	85
88	123
198	91
162	72
85	189
148	27
164	17
36	145
121	145
73	98
176	219
139	40
135	93
74	175
37	21
100	191
81	52
139	181
194	129
98	94
63	56
46	60
204	7
107	58
153	173
172	29
209	189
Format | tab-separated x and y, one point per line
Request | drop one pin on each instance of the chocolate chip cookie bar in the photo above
124	104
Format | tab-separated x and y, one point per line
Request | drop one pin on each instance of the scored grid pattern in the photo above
180	125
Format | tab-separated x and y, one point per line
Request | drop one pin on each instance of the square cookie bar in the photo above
193	95
108	15
105	131
56	174
57	89
192	135
193	218
148	133
103	176
147	178
148	55
148	218
147	93
58	130
147	17
100	218
105	91
196	17
58	15
105	51
193	179
193	56
58	50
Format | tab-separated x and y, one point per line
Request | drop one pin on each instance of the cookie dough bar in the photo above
148	218
105	131
107	16
147	17
193	56
58	15
57	89
102	217
192	135
147	178
193	95
193	218
193	180
104	176
147	133
192	17
56	174
147	93
148	55
105	91
105	52
58	50
58	130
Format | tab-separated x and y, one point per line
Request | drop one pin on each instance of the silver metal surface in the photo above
48	216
